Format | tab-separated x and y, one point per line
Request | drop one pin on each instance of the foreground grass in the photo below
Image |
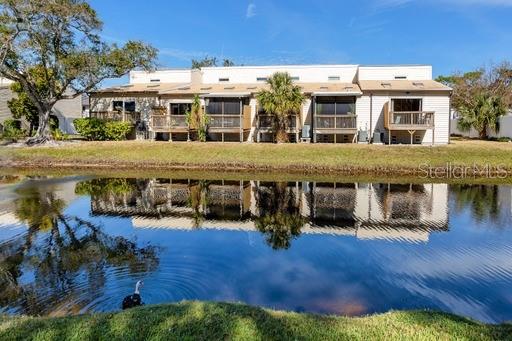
292	157
220	321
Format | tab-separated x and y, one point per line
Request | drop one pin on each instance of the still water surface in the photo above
76	244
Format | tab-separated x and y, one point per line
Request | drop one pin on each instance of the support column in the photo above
313	119
411	132
241	120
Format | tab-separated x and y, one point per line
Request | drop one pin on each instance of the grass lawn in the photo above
347	158
221	321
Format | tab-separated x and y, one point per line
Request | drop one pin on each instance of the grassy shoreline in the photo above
290	158
215	321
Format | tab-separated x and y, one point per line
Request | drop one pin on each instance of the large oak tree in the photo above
481	97
61	38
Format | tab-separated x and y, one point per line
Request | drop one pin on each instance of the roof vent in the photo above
349	88
206	88
324	88
153	85
184	88
229	87
418	84
252	87
386	85
126	86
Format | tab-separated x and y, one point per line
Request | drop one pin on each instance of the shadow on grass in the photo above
221	321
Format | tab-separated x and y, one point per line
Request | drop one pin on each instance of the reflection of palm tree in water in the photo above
279	218
197	200
61	253
482	200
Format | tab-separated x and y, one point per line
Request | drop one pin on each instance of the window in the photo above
223	106
400	77
335	105
261	79
406	104
155	80
129	106
117	105
295	78
223	79
334	78
180	108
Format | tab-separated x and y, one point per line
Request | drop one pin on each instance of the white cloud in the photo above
251	10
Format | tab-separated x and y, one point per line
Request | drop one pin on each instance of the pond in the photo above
75	244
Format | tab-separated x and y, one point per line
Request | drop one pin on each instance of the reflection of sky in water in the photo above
465	270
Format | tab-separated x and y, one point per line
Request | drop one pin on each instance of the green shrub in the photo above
12	130
91	129
94	129
59	135
117	131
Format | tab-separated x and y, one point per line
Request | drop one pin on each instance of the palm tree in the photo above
484	114
197	120
283	98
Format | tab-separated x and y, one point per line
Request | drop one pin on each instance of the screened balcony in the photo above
174	120
407	114
335	119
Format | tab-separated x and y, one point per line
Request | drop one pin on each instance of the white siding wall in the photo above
306	112
390	72
309	73
441	105
378	103
165	76
253	103
363	113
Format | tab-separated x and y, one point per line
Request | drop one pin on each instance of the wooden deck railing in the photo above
168	122
407	120
336	122
131	117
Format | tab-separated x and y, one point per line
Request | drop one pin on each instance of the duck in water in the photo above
133	300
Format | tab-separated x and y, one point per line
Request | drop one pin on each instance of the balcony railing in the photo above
166	122
131	117
267	122
410	120
336	122
224	121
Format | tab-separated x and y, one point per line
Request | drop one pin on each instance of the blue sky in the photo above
451	35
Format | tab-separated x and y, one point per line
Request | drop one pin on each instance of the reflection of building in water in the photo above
215	200
505	201
366	211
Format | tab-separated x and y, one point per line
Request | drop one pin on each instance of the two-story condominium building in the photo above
344	103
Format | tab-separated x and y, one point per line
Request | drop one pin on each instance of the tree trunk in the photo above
482	134
43	133
281	134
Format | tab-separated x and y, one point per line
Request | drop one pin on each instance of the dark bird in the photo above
133	300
